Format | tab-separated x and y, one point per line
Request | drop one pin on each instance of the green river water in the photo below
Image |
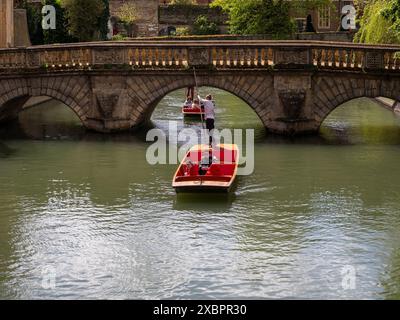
88	212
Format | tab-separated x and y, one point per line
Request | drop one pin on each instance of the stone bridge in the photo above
113	86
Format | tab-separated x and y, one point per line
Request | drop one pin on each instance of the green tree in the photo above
84	18
128	15
392	13
34	17
60	34
105	17
272	17
202	26
380	22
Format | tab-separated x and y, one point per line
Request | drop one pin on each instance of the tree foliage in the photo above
380	22
392	13
202	26
34	17
266	16
127	13
60	34
104	18
83	18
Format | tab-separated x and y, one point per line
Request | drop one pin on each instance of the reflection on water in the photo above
362	121
90	208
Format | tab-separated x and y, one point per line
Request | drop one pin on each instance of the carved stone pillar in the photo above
6	23
289	58
199	57
292	104
111	110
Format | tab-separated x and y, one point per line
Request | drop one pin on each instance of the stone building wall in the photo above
181	16
147	24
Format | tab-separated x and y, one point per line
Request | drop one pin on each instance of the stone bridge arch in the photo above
146	92
73	91
331	91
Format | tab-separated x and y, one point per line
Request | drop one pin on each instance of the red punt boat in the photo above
206	169
192	111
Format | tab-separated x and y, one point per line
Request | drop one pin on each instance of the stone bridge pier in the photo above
291	86
125	102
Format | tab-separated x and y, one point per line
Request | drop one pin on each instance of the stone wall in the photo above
147	23
188	14
185	16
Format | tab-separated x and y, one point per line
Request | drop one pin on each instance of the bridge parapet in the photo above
203	54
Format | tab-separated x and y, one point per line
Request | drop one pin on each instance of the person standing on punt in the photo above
209	114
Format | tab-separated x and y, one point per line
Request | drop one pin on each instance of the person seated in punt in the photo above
206	161
188	102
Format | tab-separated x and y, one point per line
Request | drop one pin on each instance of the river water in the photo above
84	215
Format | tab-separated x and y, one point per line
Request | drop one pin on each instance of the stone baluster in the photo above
161	55
266	56
259	57
342	57
361	60
147	59
324	57
220	57
225	57
389	60
317	57
180	57
240	57
157	58
140	57
173	59
333	58
167	59
252	56
247	57
231	57
131	56
89	56
243	57
396	61
214	56
346	57
270	56
137	57
153	60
